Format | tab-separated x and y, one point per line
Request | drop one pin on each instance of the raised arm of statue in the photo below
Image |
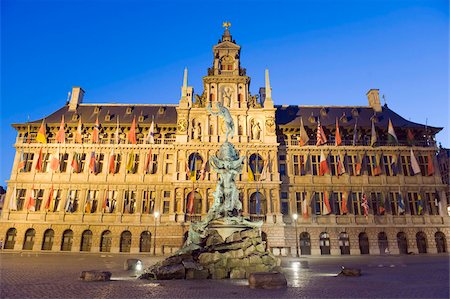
208	108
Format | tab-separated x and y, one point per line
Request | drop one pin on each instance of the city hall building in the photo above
132	178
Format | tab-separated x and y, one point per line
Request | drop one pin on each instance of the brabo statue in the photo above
225	114
226	208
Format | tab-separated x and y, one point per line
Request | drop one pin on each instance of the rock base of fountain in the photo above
229	251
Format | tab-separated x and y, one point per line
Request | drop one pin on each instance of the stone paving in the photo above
56	275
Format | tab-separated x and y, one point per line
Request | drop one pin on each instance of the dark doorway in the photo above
67	240
145	241
440	242
125	241
49	236
421	240
324	243
383	243
105	241
29	239
402	243
10	238
363	243
305	243
344	243
86	240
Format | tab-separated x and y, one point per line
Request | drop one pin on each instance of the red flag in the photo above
112	163
377	166
78	133
323	167
321	137
31	201
190	205
93	163
95	132
344	208
203	171
338	139
54	163
132	133
74	164
39	161
50	198
22	162
365	205
148	161
410	136
326	204
430	166
105	199
340	165
60	136
305	211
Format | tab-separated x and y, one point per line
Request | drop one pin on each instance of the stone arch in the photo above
145	243
125	241
305	243
402	243
441	242
363	243
47	241
256	163
86	240
344	243
421	240
383	243
193	203
257	204
67	240
324	242
28	241
10	239
105	241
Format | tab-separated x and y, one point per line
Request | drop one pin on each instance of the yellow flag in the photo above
251	177
130	164
41	134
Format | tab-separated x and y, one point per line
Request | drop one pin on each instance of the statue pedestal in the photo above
226	229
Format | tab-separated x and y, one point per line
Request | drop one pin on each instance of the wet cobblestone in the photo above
55	275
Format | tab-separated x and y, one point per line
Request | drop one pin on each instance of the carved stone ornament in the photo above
182	125
270	125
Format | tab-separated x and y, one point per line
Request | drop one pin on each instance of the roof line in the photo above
129	105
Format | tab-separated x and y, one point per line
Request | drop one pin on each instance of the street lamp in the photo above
155	215
295	216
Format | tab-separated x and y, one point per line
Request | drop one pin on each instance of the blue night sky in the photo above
318	53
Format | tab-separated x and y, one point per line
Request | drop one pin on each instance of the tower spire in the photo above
268	102
226	34
185	83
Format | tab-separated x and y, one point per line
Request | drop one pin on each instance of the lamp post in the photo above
155	215
295	216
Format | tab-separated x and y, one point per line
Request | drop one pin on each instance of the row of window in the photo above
372	165
364	245
145	241
379	203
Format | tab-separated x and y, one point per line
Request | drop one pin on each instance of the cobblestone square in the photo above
36	275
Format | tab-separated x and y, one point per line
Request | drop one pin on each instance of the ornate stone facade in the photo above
93	206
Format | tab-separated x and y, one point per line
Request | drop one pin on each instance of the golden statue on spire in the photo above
226	25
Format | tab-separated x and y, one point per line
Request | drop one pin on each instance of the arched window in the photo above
383	243
29	239
324	242
193	203
402	243
67	240
256	164
145	241
257	204
363	243
226	63
421	240
125	241
10	238
86	240
441	243
344	243
195	164
47	242
305	243
105	241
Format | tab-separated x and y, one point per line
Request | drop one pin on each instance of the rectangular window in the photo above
153	168
54	207
63	162
315	160
28	157
333	164
111	201
81	162
20	197
117	163
422	164
296	164
351	164
39	193
282	169
46	162
73	201
298	202
387	161
413	203
166	207
129	202
148	202
284	203
337	202
406	165
368	162
356	203
169	164
91	201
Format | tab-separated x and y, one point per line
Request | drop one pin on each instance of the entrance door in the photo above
402	243
105	242
29	239
10	238
125	241
67	240
344	243
145	242
364	243
86	241
440	242
383	242
305	243
421	240
324	243
47	243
